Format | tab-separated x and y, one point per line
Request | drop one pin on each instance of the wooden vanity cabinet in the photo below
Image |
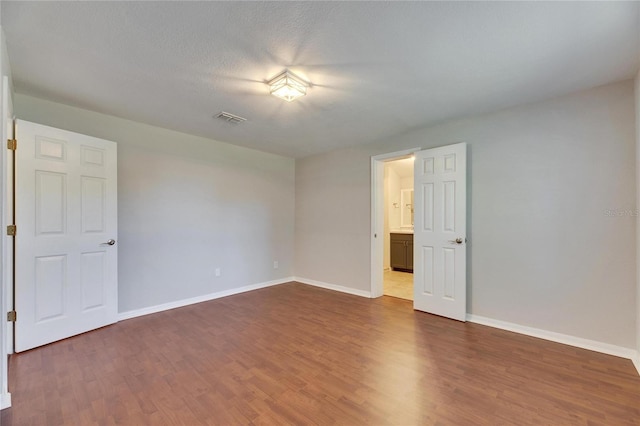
402	252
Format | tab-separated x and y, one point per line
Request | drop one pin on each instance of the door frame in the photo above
6	243
377	215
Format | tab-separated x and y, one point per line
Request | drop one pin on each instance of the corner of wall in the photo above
636	362
4	61
637	117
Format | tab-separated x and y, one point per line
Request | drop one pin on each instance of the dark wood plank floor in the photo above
294	354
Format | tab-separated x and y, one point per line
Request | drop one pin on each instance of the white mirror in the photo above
406	208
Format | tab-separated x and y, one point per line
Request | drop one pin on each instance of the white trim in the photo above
396	155
565	339
636	362
198	299
334	287
5	400
377	216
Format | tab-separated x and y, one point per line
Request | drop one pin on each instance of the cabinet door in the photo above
410	255
398	254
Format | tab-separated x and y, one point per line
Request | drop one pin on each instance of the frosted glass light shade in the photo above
288	86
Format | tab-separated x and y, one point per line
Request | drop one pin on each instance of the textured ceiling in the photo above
377	68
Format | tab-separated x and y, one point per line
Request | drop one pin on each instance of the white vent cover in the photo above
230	118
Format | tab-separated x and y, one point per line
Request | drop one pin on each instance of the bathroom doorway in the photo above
438	238
398	228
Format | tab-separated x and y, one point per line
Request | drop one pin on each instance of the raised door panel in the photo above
50	149
91	156
93	270
426	278
93	204
50	287
50	202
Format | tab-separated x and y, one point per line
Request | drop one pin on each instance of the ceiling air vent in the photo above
230	118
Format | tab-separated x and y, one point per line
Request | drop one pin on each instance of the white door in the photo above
66	218
440	226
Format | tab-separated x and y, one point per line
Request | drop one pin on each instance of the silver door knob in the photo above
456	241
110	242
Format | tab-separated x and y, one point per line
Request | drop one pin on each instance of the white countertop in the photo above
402	231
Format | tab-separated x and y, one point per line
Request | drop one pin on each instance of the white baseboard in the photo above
5	400
334	287
559	338
636	362
204	298
619	351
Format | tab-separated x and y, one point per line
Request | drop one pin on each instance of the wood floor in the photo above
295	354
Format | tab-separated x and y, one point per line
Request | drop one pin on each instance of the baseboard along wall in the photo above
565	339
335	287
636	362
198	299
5	400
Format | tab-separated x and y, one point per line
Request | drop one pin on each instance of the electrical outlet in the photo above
218	272
275	264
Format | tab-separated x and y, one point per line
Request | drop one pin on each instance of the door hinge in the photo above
12	144
12	316
11	230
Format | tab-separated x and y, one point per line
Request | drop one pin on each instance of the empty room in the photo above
317	213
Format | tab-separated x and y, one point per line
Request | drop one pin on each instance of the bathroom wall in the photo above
387	248
392	185
393	207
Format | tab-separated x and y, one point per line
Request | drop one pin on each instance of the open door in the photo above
66	218
439	266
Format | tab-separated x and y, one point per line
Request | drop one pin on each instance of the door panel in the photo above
93	279
66	210
440	231
426	277
93	204
50	280
51	202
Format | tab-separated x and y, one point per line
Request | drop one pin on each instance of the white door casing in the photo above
66	212
440	177
377	215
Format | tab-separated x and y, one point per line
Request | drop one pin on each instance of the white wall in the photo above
187	205
386	262
550	191
406	183
395	184
391	212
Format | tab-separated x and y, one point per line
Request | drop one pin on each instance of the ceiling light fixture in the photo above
288	86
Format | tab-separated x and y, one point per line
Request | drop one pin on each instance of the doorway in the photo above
398	228
439	236
378	216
